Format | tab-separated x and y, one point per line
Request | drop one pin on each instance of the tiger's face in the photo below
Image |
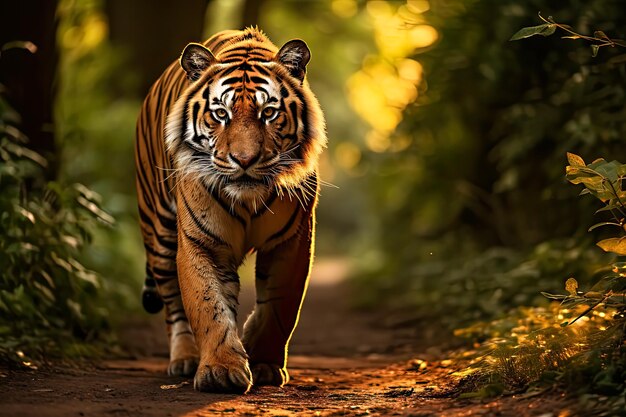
247	122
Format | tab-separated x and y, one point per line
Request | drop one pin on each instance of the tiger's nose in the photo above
244	160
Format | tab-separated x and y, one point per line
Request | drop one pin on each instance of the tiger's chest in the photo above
235	228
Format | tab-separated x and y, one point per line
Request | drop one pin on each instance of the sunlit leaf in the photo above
595	226
546	29
601	35
75	308
620	268
575	160
593	294
589	178
553	296
614	245
594	50
27	45
61	262
88	193
97	211
571	286
30	216
608	207
45	291
70	240
608	170
23	152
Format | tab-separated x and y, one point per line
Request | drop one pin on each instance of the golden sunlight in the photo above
387	82
344	8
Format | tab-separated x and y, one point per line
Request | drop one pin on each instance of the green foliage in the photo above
485	284
579	342
48	299
546	29
603	180
599	38
95	125
482	171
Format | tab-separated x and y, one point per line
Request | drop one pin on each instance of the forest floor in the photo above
343	362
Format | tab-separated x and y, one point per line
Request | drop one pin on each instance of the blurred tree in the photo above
486	151
153	34
250	12
28	73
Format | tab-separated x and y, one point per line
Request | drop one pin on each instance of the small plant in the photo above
605	181
549	27
580	341
48	299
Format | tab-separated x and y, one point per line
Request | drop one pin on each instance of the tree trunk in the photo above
154	33
28	75
250	13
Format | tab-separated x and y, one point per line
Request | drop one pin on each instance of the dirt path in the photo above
342	362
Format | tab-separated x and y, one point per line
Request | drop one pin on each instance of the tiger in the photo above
228	143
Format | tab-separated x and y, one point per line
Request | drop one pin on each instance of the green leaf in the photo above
546	29
595	226
594	50
609	170
95	210
601	35
553	296
590	178
30	216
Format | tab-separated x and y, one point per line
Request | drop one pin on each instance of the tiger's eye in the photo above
221	113
268	112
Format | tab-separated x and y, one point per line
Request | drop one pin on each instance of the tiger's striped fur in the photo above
228	143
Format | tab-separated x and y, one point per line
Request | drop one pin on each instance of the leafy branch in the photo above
603	180
598	40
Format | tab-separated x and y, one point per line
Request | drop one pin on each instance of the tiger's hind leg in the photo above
161	244
281	281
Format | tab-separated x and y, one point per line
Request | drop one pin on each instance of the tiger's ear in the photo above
295	55
195	59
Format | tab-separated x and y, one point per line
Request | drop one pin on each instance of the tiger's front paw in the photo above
269	374
232	378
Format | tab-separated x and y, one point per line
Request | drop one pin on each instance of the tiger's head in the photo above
248	121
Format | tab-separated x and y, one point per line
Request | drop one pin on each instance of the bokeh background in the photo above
445	167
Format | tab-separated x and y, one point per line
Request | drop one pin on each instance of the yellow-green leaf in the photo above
546	29
30	216
615	244
575	160
593	294
571	286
